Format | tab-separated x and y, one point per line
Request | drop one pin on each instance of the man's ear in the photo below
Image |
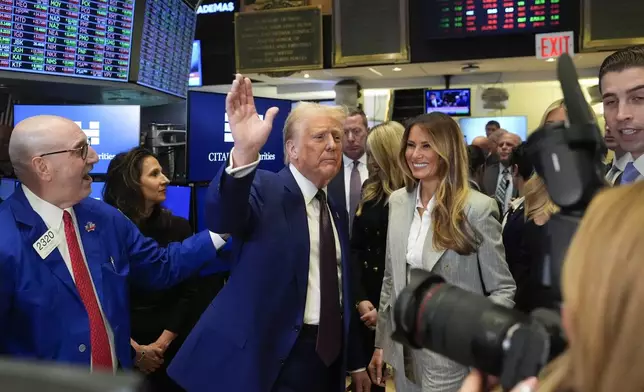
515	170
291	150
41	168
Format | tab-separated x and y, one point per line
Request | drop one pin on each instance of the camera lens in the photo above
465	327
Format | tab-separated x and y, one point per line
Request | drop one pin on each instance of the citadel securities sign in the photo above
210	140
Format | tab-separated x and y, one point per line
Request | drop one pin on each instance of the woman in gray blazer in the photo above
440	225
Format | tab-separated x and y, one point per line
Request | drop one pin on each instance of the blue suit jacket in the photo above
245	335
41	313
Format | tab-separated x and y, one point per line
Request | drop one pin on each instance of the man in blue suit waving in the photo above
66	260
285	321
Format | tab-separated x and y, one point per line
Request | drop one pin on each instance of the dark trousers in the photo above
368	341
304	371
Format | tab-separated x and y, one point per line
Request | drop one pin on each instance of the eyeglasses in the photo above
82	151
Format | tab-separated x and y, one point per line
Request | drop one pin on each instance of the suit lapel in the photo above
401	216
491	177
34	227
90	235
295	213
336	188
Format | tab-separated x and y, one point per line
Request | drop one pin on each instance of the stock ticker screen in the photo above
166	46
457	18
82	38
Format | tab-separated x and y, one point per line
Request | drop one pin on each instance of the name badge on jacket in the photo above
47	243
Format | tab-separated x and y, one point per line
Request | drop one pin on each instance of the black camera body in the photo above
469	328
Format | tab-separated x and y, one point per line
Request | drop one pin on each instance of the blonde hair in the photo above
558	104
537	200
451	228
603	291
383	144
305	110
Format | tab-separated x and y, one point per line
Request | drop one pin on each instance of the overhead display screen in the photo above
166	46
456	18
83	38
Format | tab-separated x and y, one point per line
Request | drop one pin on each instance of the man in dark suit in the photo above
497	182
285	321
66	260
345	188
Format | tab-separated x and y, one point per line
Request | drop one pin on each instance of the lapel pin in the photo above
337	216
90	226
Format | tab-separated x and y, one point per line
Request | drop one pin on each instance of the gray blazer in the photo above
441	374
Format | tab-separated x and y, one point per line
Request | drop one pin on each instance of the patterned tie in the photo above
502	188
630	174
355	188
100	344
330	329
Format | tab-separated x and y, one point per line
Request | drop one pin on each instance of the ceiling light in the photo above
306	76
397	69
551	59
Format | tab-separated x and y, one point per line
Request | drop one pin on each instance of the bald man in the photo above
498	176
483	143
66	260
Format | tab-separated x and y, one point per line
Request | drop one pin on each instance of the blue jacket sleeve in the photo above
230	203
153	267
6	293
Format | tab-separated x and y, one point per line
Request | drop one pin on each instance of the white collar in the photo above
622	161
419	201
348	161
309	190
516	203
50	214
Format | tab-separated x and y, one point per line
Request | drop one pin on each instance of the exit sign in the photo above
553	45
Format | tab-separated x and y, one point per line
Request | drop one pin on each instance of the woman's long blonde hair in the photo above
383	144
537	200
451	228
603	291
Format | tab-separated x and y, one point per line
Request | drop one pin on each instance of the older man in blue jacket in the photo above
66	260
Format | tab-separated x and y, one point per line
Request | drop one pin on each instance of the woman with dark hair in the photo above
439	224
136	185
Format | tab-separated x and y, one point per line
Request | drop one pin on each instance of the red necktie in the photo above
100	344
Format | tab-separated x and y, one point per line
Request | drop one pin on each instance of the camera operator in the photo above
603	311
602	270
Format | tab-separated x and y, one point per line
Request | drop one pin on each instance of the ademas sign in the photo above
215	8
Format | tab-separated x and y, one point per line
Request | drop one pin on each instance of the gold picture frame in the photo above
589	44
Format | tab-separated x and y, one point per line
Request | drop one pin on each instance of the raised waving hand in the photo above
249	131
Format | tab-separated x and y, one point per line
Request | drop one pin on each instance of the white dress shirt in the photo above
309	190
617	168
53	218
348	167
420	226
638	163
508	191
514	204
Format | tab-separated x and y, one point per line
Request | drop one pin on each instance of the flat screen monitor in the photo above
210	139
110	129
475	126
460	18
453	102
90	39
178	200
200	205
166	46
194	79
7	187
97	190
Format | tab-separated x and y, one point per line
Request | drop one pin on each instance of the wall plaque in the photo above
287	39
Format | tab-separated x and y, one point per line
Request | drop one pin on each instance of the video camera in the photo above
469	328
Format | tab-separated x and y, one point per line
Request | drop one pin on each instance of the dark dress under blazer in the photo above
176	309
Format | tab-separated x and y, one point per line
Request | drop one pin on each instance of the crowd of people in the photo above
314	256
